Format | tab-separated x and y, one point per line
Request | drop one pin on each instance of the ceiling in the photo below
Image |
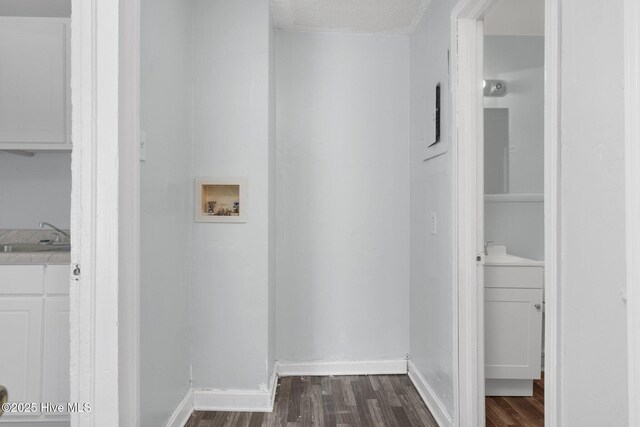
349	16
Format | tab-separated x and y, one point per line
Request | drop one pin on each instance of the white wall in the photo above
166	207
519	60
342	197
34	189
431	282
518	225
233	263
592	223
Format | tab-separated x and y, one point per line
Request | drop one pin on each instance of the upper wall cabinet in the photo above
35	109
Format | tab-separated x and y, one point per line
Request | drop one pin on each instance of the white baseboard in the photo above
435	405
183	411
225	400
359	367
237	400
273	386
232	400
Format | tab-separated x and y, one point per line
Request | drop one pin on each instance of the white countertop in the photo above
30	236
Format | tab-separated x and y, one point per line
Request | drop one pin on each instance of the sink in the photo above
34	247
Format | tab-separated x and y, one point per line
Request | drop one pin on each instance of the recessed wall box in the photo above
220	200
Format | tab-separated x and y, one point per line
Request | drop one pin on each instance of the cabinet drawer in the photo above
21	279
57	279
502	276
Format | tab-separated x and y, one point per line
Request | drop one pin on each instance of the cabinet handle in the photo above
538	306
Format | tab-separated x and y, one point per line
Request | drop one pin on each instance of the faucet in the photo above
46	224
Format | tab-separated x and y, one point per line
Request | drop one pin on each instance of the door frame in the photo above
129	210
94	212
466	75
466	149
632	158
104	337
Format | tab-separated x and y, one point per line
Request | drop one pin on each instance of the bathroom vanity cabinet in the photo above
34	84
34	315
513	325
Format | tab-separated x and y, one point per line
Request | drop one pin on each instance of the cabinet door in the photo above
513	333
34	81
20	355
58	279
56	350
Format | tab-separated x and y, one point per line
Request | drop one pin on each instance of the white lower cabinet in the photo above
513	333
513	318
34	354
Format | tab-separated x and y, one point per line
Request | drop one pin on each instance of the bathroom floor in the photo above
363	401
517	411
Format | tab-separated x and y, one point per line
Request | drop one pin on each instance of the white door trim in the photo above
129	211
469	304
553	339
467	100
94	211
632	157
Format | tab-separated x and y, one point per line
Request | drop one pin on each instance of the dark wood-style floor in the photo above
357	401
517	411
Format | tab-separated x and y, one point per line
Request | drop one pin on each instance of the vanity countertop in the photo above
30	236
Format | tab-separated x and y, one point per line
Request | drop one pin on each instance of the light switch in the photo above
434	223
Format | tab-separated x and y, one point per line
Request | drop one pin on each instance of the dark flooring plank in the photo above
389	392
305	411
295	396
401	416
517	411
387	413
412	414
376	413
343	401
328	403
421	409
361	403
317	413
256	419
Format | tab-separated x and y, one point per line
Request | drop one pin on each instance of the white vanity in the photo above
513	322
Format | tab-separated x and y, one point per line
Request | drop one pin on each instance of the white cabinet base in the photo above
34	356
519	388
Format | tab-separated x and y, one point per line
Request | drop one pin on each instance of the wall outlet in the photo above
434	223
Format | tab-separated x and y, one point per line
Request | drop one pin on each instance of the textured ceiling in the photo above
349	16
